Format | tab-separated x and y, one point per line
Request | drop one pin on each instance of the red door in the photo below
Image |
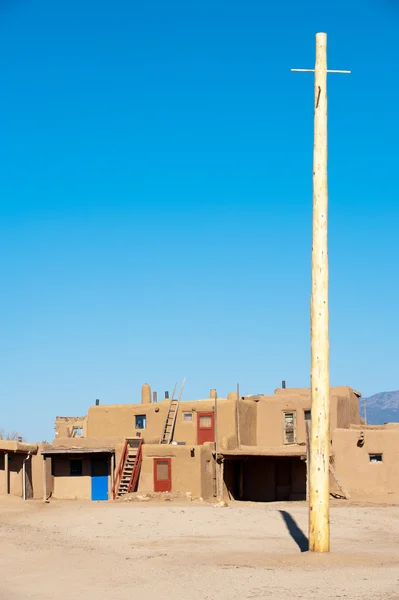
205	427
162	475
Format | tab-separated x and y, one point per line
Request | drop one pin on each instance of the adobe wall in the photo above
362	478
227	423
118	420
36	473
248	413
14	474
208	474
347	409
270	417
64	426
189	473
344	410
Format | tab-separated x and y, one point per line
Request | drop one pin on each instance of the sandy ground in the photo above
177	551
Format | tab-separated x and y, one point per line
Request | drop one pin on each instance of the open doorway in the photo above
265	478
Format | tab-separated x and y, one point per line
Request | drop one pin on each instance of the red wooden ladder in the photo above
127	474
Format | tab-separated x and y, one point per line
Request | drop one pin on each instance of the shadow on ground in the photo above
295	531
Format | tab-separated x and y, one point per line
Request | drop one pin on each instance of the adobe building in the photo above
21	467
250	448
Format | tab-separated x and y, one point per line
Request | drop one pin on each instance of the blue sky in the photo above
155	218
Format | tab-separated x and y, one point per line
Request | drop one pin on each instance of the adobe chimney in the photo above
145	394
212	394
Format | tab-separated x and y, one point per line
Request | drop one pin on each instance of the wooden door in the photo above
99	479
162	475
205	427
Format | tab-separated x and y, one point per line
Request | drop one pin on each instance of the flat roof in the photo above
289	450
15	446
78	451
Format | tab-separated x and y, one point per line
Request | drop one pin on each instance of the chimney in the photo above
97	402
145	394
155	397
283	384
166	395
212	394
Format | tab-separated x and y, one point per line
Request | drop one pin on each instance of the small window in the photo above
187	416
205	422
289	427
76	467
141	421
375	458
77	432
162	470
308	415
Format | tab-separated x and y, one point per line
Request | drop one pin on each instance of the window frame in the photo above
141	416
77	432
376	454
293	413
307	411
187	414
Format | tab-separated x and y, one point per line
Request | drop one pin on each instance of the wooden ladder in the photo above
128	472
170	421
338	482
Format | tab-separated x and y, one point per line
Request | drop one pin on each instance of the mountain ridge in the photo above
381	408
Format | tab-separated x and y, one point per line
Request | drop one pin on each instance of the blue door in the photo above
99	478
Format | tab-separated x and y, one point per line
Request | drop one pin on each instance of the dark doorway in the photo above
265	478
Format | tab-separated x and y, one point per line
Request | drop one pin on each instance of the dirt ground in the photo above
188	551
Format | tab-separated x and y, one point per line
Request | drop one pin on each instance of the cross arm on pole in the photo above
313	70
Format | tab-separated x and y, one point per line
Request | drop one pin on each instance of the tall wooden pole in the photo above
319	498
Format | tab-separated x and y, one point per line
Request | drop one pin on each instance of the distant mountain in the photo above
381	408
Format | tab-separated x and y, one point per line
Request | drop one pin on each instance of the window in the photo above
205	422
140	421
162	470
76	467
375	458
289	427
187	416
308	415
77	432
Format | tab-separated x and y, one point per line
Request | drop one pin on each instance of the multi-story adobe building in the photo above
248	448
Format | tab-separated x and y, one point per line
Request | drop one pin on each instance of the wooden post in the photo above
307	459
44	479
238	417
112	469
6	473
221	479
319	497
319	525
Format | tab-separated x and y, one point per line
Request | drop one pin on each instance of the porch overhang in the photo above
58	451
288	451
